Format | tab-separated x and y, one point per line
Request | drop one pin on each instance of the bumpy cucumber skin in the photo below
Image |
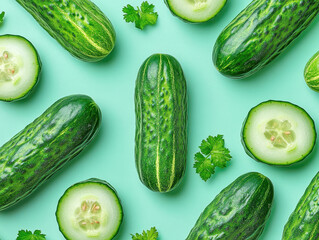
311	73
260	33
95	181
78	25
187	20
240	211
36	78
46	145
161	123
251	154
303	223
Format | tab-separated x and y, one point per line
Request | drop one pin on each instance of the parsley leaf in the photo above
151	234
1	17
213	154
28	235
142	16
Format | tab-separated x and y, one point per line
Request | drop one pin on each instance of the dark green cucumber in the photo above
161	117
260	33
45	146
238	212
303	223
78	25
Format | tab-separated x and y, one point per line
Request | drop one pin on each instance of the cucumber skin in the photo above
161	123
243	48
88	34
37	77
303	222
45	146
250	154
91	180
187	20
240	211
312	69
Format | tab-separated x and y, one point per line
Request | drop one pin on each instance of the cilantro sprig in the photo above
151	234
2	17
212	154
142	16
28	235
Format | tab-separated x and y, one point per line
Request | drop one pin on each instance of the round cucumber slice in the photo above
20	67
311	73
89	210
278	133
195	11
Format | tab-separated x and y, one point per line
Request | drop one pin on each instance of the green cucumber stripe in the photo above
100	49
141	124
314	231
158	125
172	75
105	28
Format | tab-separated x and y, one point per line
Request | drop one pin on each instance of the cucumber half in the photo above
278	133
89	210
20	67
195	11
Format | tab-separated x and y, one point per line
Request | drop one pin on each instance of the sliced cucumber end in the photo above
195	11
20	67
278	133
89	210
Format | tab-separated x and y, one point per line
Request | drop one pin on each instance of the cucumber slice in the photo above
195	11
20	67
278	133
89	210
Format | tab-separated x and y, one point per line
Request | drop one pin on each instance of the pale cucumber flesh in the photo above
195	10
89	210
20	66
278	133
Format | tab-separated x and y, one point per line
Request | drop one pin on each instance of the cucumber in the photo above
195	11
45	146
161	119
78	25
311	73
278	133
20	67
303	222
240	211
89	210
260	33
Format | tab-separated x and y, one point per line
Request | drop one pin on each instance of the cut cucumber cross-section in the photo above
20	66
195	11
89	210
278	133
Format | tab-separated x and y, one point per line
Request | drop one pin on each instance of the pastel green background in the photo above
217	105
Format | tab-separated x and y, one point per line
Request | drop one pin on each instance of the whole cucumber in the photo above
260	33
161	118
46	145
78	25
240	211
303	222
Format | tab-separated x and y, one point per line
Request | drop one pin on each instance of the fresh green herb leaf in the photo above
28	235
213	154
151	234
142	16
1	17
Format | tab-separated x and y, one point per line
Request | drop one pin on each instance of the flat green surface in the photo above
217	105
